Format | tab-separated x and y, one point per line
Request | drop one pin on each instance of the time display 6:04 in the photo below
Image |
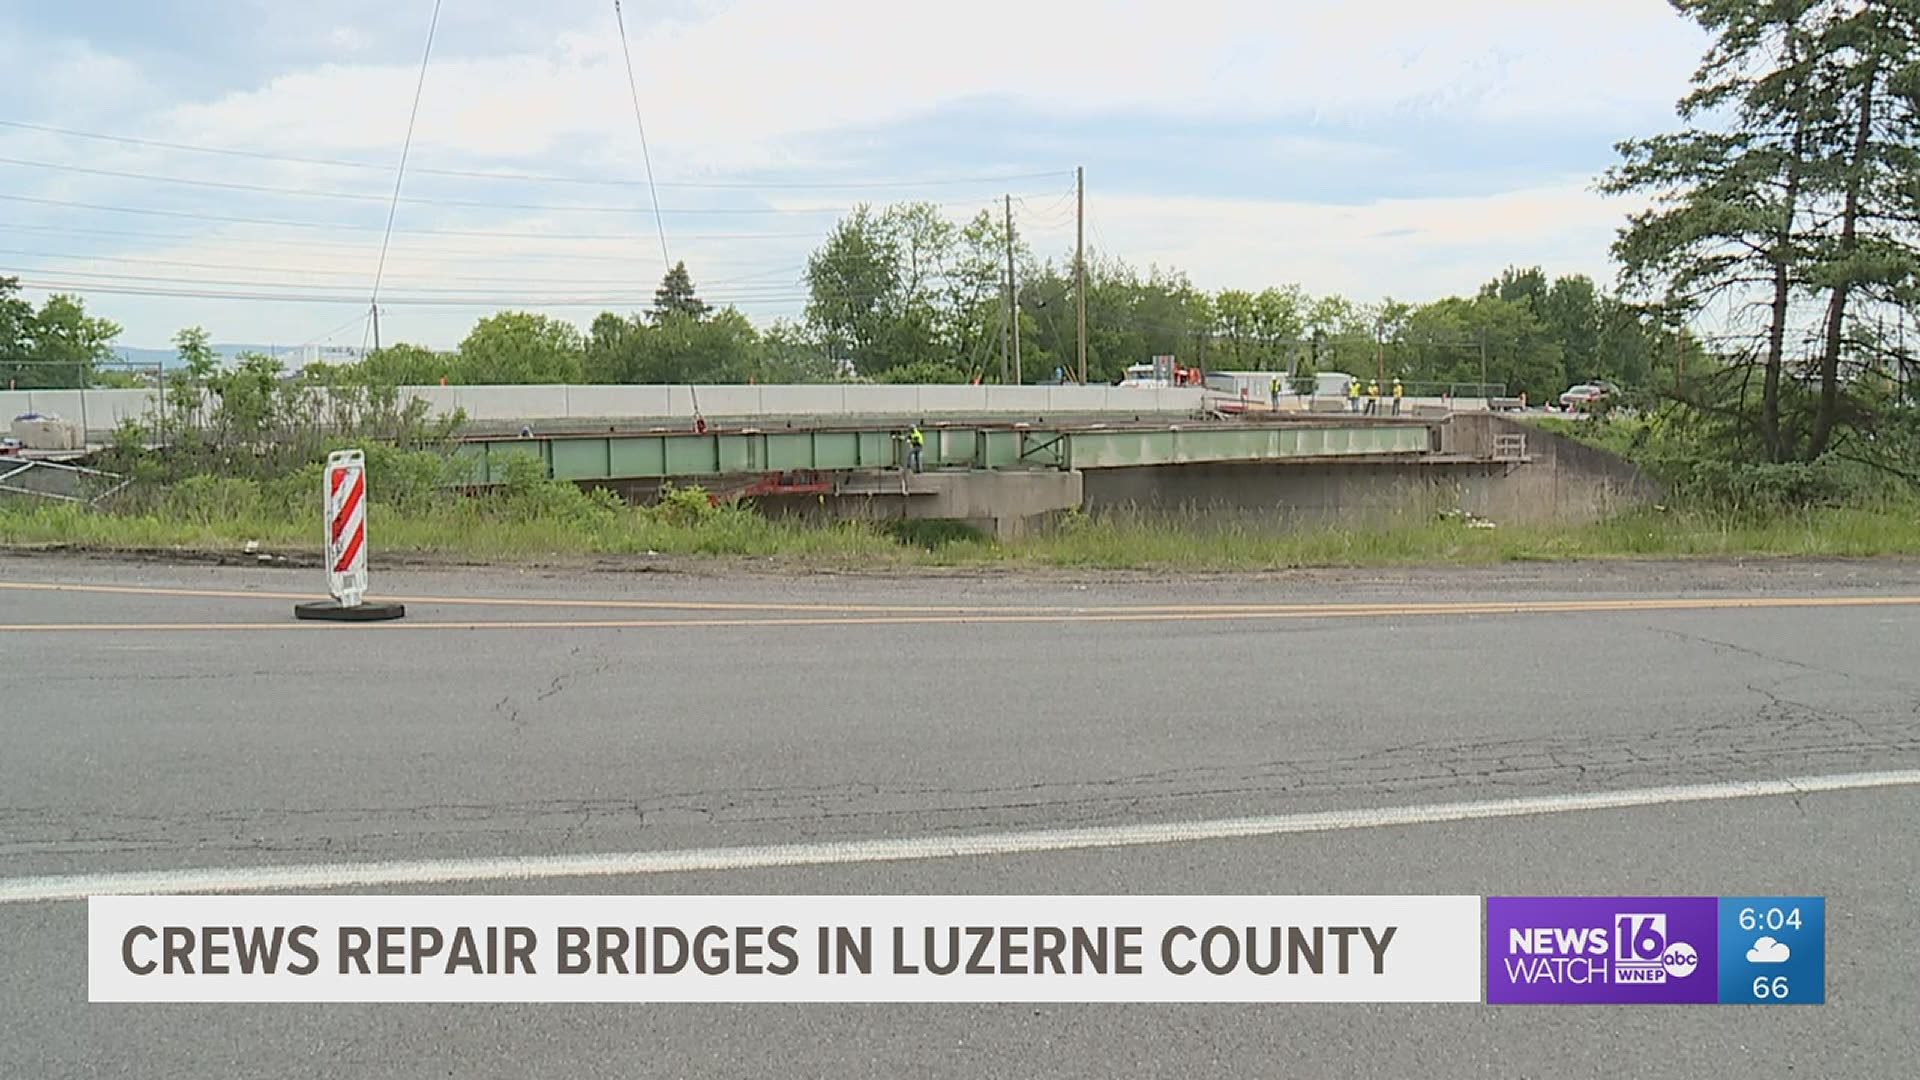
1772	918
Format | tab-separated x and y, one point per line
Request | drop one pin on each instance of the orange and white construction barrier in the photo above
343	496
346	514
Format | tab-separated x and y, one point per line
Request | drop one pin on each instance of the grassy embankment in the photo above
530	518
505	531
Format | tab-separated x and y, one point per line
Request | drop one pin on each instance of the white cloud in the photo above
70	76
1769	951
728	88
1410	249
347	38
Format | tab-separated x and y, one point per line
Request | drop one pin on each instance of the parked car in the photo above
1587	395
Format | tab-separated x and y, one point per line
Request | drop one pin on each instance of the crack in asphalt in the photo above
1716	643
1782	735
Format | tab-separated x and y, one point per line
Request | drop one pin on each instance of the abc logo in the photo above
1680	960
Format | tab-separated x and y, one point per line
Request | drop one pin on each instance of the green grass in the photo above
545	528
453	532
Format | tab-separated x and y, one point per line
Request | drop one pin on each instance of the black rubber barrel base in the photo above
367	611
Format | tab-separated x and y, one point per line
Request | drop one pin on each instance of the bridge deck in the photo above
976	446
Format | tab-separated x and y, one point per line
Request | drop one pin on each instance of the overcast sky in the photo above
1375	149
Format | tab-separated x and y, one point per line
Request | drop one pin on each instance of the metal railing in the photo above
58	482
1509	446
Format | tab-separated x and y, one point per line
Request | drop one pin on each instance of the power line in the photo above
539	178
493	303
792	271
645	155
641	291
315	339
367	196
769	293
294	224
474	204
400	173
136	234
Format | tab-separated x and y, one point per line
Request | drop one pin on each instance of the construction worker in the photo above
1398	393
1353	395
1373	397
915	440
1274	391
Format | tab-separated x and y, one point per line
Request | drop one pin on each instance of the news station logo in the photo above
1597	950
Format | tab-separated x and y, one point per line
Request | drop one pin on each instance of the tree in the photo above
66	342
1869	61
16	342
1797	199
1233	313
519	347
408	365
904	284
675	296
195	355
676	347
973	294
853	283
247	396
789	354
1444	341
924	372
1279	322
1729	205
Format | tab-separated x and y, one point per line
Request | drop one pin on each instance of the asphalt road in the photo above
609	712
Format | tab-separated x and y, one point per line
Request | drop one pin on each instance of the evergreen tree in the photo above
676	296
1799	196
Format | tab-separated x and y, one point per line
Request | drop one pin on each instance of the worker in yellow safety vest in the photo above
915	440
1353	395
1398	393
1373	396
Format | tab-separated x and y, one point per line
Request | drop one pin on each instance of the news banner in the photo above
1507	950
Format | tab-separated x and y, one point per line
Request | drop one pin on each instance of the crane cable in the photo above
406	145
633	91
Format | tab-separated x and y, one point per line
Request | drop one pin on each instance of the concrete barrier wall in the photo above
829	400
1560	481
105	409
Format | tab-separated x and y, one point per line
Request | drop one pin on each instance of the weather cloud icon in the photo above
1768	951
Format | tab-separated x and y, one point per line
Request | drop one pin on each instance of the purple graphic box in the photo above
1628	950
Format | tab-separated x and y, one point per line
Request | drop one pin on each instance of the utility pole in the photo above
1013	296
1006	296
1080	260
376	329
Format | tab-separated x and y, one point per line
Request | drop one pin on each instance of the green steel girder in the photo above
670	455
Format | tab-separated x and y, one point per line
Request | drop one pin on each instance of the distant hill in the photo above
292	356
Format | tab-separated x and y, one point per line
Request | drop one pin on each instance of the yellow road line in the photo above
974	613
501	601
1322	611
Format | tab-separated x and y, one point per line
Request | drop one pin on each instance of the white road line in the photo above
718	860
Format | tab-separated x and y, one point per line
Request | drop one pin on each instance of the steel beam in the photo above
697	455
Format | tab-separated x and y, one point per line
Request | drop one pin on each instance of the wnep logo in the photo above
1642	953
1580	949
